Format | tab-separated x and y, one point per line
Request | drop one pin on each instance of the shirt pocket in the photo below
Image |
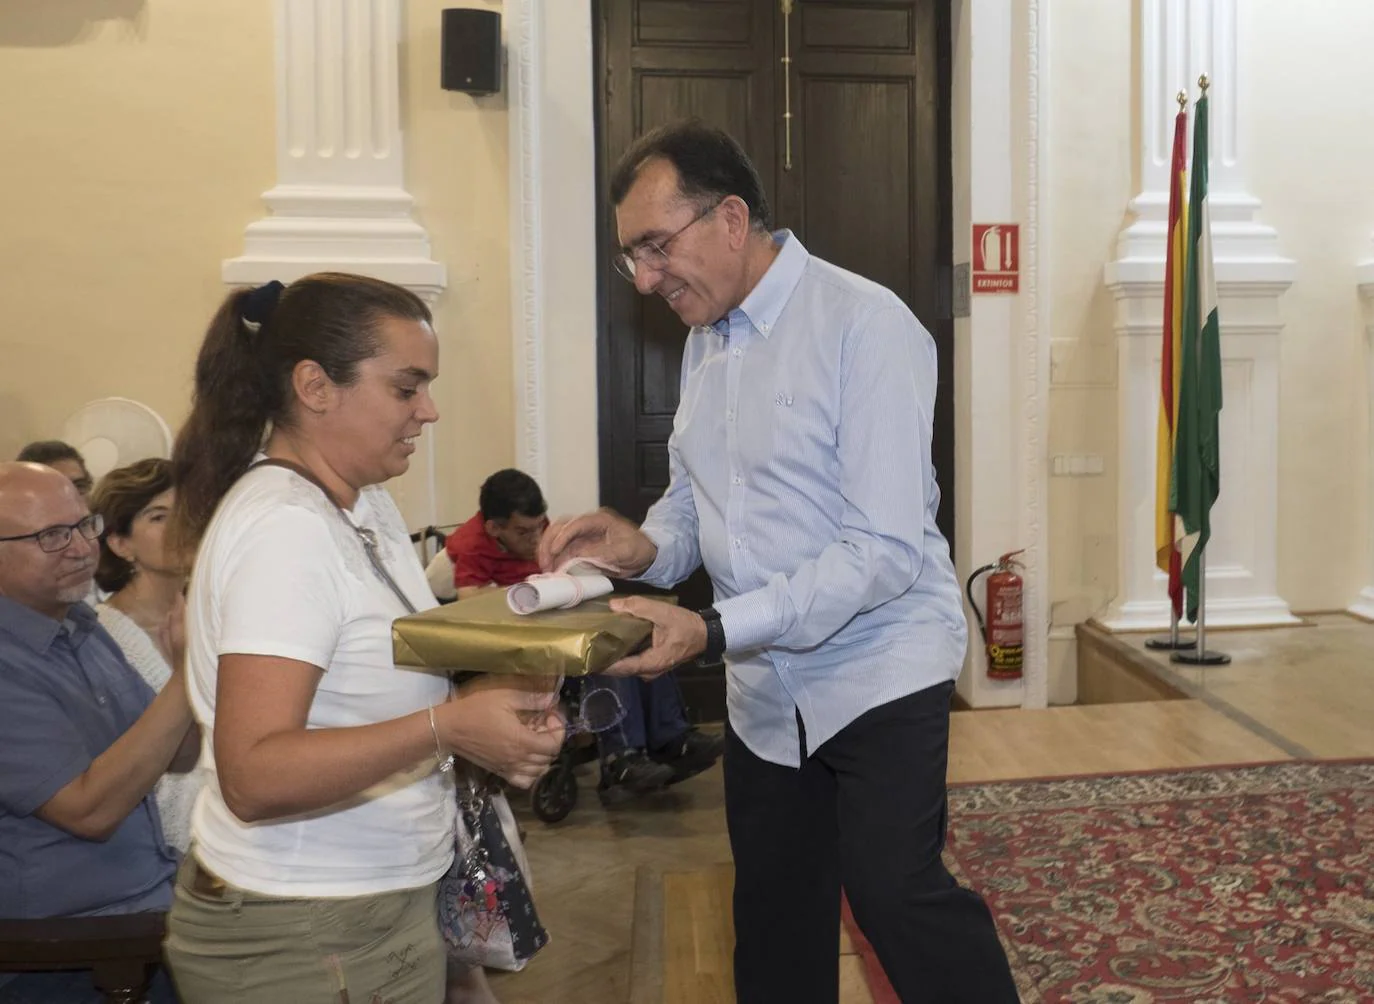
801	447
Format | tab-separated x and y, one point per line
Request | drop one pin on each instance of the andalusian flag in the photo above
1197	460
1170	370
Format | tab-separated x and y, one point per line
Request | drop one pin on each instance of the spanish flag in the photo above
1171	366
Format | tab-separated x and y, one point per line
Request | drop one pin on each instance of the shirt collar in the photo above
38	631
765	301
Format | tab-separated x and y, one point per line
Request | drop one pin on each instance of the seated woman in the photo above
144	587
328	814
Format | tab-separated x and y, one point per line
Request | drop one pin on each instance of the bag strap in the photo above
365	536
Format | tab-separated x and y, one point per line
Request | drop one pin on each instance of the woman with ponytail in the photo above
327	816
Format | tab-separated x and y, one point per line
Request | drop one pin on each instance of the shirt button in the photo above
735	352
730	416
739	480
738	542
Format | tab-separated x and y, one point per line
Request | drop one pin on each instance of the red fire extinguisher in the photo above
1002	634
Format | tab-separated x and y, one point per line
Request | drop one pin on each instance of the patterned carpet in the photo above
1214	886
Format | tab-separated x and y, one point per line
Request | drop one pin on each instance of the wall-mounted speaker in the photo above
471	58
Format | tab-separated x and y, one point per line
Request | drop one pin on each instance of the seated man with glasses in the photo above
653	745
83	739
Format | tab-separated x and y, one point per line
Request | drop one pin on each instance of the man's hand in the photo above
609	538
679	635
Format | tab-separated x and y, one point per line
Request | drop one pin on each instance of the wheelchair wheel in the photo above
555	794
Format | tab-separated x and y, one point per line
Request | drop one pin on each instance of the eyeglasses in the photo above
58	538
651	255
599	711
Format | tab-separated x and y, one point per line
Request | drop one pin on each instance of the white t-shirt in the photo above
280	573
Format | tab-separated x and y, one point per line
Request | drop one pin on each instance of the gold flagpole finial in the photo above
1202	83
1182	100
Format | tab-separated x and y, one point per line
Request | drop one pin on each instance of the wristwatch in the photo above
715	638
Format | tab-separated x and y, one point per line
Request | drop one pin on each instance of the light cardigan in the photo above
175	793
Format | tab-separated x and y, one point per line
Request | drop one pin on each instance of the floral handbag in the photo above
486	912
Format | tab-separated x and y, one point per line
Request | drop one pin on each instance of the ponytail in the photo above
244	372
229	412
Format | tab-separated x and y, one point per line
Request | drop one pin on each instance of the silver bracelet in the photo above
445	760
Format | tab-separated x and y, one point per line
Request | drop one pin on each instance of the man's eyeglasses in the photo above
58	538
652	255
599	711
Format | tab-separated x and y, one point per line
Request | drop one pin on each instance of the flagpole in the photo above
1200	656
1172	643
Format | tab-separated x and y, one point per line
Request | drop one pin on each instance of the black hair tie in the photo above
259	304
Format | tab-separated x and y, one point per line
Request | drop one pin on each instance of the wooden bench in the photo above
122	952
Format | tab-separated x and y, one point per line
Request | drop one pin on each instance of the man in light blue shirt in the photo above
801	477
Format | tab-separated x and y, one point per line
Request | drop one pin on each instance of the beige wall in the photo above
456	167
1309	162
137	139
141	139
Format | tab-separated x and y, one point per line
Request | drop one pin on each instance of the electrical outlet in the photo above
1077	465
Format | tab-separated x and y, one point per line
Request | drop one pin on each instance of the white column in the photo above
340	201
1364	603
1181	40
1000	484
554	264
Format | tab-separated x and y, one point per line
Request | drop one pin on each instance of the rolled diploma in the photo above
559	590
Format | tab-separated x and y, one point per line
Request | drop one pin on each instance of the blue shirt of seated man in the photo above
66	694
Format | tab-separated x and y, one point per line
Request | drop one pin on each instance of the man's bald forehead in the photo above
22	476
28	490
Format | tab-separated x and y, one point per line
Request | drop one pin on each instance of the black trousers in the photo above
867	811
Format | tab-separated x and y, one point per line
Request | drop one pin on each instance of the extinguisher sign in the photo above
996	258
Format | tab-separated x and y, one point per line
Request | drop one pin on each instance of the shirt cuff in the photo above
748	621
655	574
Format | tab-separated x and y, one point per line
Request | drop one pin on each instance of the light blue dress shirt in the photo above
800	475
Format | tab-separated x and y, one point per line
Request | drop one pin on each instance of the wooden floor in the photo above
637	899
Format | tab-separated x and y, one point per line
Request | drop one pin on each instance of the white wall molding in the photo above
1035	384
340	201
553	247
1181	40
1364	603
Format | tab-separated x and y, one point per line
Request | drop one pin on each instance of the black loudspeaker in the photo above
471	60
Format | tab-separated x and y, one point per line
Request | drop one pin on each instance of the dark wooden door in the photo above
862	178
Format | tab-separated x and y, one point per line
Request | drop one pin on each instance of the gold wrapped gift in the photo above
481	635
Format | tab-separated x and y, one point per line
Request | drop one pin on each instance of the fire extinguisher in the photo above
1002	634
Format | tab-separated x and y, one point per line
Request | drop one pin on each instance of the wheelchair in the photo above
554	795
